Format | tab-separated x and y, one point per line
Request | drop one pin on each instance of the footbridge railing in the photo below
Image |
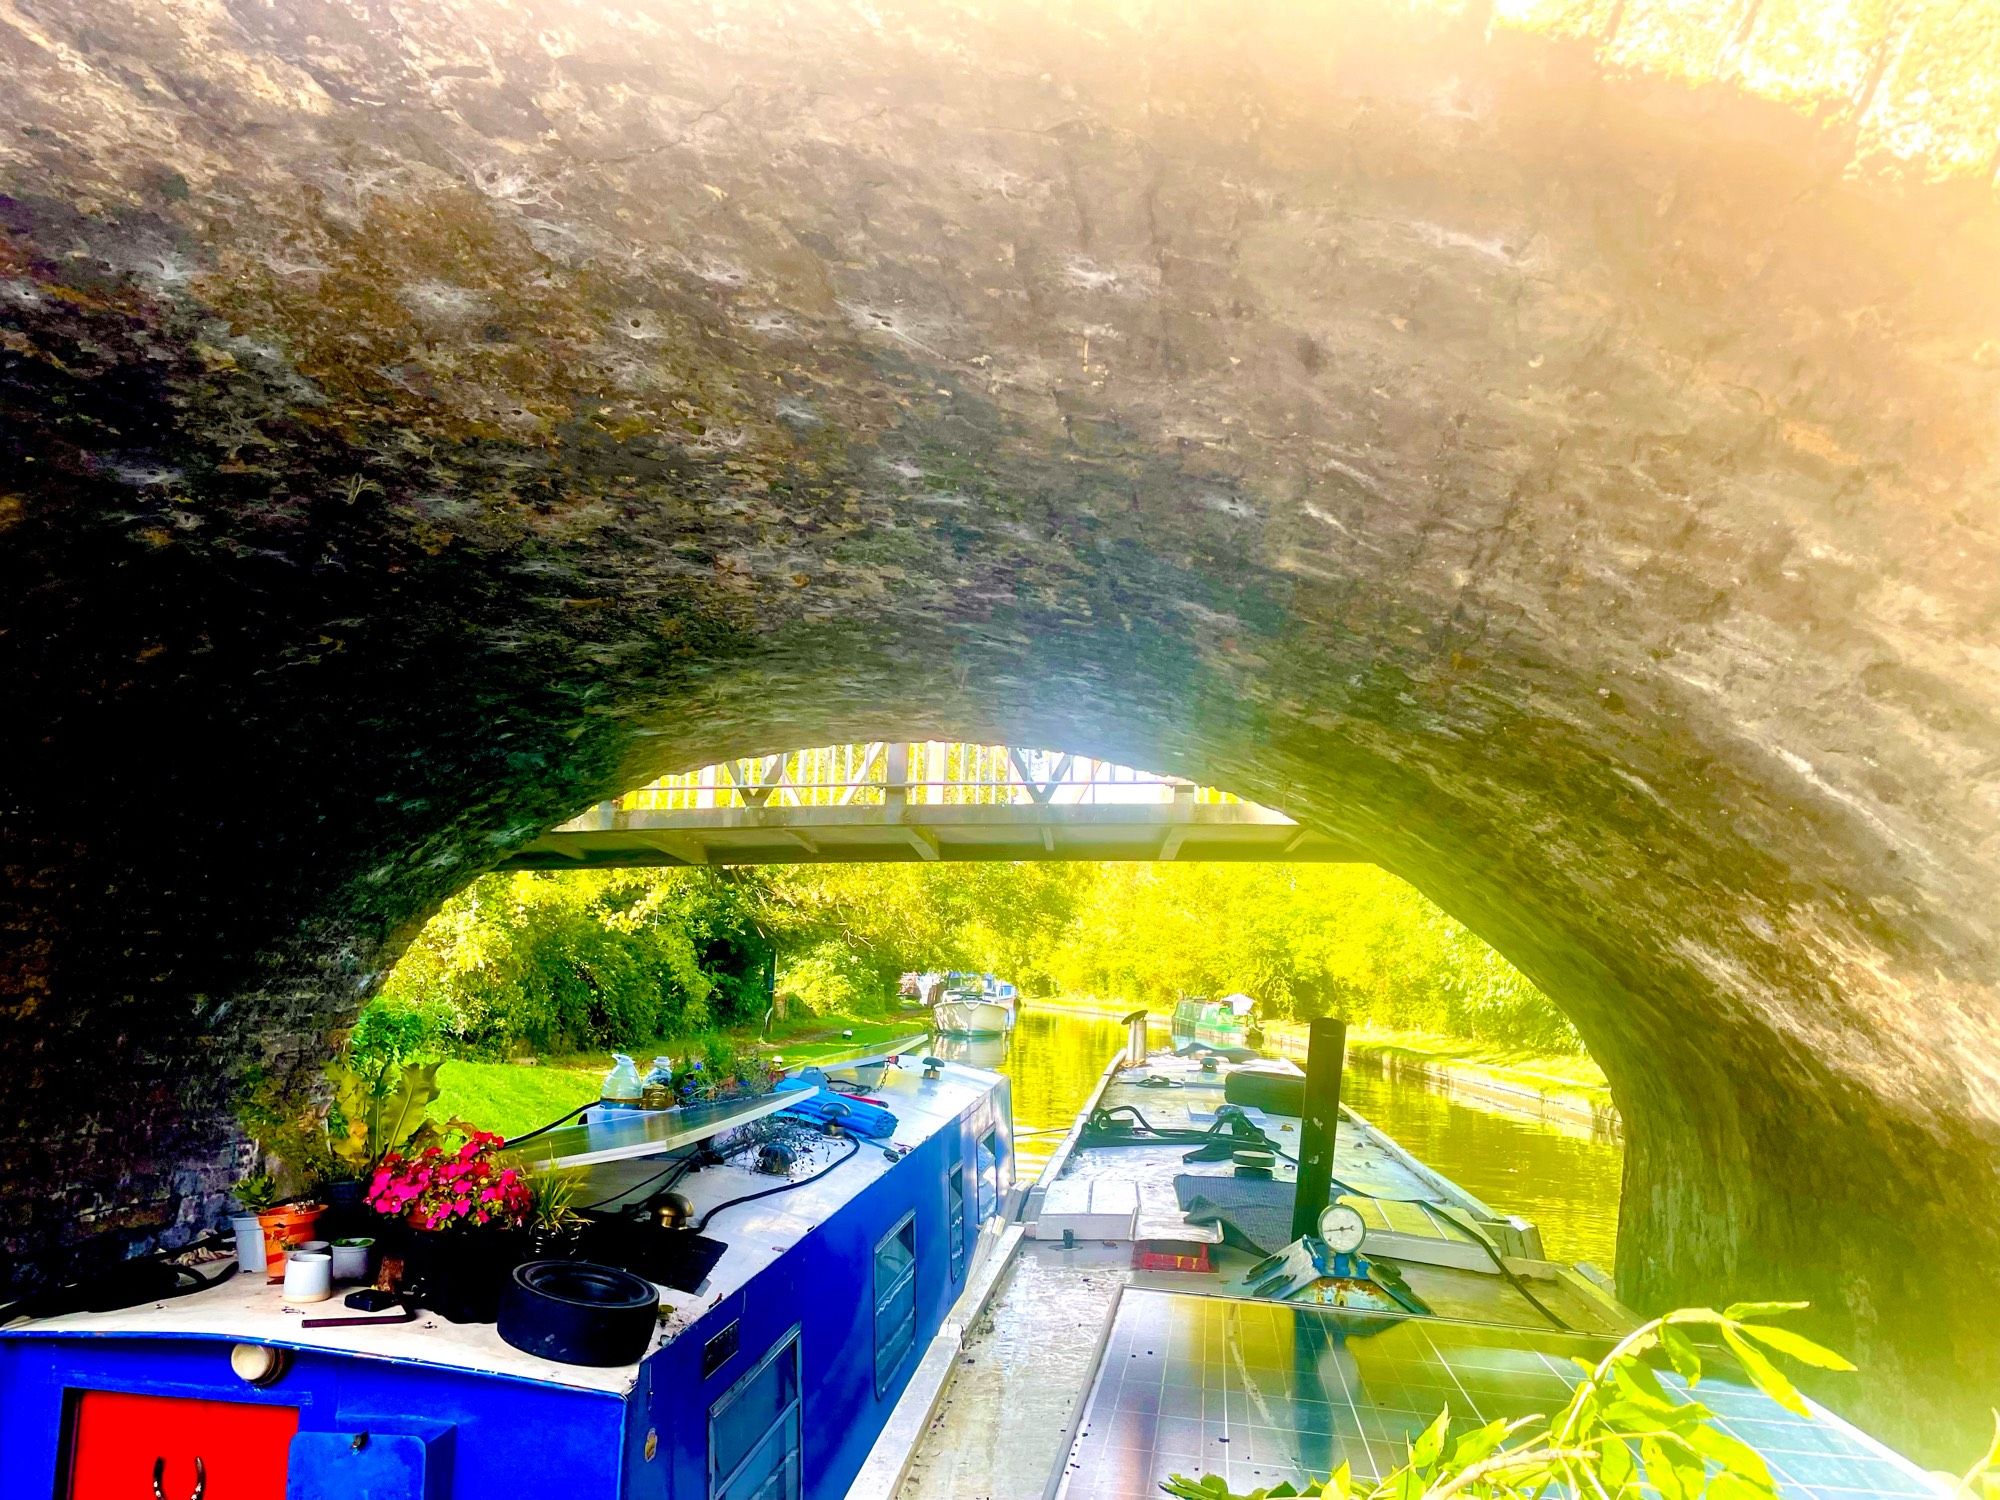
921	800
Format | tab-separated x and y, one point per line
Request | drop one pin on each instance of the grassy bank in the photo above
513	1097
1571	1074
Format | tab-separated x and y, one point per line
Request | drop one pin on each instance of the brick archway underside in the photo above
1575	491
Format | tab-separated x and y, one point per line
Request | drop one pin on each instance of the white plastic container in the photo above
622	1088
249	1234
350	1259
308	1276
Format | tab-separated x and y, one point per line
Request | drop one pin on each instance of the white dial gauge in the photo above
1342	1229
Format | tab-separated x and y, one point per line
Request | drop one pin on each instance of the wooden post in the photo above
1326	1051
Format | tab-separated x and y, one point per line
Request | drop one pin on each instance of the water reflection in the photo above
1563	1179
974	1051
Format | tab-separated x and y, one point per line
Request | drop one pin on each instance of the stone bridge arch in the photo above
1572	484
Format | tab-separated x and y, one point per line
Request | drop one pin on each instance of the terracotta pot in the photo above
286	1227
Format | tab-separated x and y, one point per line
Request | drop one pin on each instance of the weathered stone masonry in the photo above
1577	489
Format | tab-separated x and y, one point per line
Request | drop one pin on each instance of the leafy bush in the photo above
577	960
829	978
1348	940
283	1114
389	1033
593	959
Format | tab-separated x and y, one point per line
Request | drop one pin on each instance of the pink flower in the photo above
438	1188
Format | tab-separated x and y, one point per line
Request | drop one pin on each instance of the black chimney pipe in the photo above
1326	1051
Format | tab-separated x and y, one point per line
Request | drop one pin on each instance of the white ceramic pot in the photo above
308	1276
249	1244
350	1261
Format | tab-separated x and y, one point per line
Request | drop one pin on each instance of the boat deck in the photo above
1085	1379
1447	1267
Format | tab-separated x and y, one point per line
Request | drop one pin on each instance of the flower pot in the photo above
554	1244
346	1214
249	1232
286	1228
459	1273
308	1276
350	1259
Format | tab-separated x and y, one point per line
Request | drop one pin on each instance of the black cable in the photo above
853	1149
1102	1119
1436	1211
545	1129
680	1167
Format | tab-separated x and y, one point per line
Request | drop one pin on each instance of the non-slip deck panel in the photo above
1261	1392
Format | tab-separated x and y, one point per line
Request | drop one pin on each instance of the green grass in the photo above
514	1097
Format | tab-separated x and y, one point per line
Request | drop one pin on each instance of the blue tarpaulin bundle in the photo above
825	1107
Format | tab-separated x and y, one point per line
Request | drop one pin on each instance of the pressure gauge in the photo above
1342	1229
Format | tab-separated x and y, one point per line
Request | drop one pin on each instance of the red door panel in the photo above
116	1439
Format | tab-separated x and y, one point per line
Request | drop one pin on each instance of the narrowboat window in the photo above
954	1219
989	1174
753	1431
895	1300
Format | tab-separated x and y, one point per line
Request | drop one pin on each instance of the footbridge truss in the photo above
921	801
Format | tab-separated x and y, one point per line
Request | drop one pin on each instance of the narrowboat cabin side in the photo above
770	1378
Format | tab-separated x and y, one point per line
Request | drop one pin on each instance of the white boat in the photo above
974	1015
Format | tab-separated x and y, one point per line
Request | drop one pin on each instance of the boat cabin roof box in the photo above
779	1369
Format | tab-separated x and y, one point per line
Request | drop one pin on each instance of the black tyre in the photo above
579	1313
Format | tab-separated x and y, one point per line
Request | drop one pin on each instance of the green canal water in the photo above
1563	1177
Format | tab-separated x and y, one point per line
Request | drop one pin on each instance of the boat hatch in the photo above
123	1444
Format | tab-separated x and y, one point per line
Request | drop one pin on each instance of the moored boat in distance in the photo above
975	1005
1227	1022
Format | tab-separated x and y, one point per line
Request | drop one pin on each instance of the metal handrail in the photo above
845	775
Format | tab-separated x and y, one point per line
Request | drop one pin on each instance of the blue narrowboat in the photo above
769	1380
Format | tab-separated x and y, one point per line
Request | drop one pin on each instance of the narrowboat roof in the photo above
1445	1265
246	1309
1189	1372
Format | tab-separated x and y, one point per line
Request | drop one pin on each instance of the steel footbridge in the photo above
923	800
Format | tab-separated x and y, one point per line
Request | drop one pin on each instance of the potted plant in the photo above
724	1071
287	1128
376	1109
350	1257
465	1209
555	1224
282	1225
254	1195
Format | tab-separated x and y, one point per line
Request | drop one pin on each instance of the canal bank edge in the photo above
1512	1089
